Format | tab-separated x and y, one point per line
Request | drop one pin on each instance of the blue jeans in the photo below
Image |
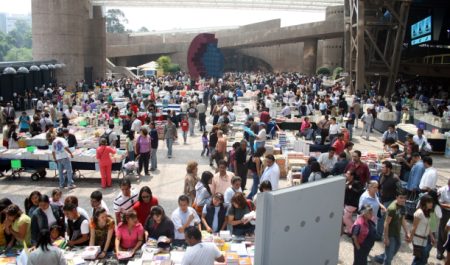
350	130
169	143
422	260
65	164
391	250
191	126
254	186
153	159
380	221
184	136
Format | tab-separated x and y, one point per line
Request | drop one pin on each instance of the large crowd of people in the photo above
221	199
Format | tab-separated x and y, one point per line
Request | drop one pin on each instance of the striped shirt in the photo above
123	203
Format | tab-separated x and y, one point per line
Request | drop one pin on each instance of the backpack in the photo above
106	137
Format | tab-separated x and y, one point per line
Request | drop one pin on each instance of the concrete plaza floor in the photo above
167	184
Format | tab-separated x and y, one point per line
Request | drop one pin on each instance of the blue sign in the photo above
421	28
421	40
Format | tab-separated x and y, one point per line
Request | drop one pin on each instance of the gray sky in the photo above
182	18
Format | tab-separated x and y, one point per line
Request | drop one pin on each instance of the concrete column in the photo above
57	32
95	43
310	56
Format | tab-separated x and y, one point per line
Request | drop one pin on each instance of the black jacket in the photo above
39	221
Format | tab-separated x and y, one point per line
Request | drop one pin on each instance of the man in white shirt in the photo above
199	253
70	113
421	141
286	111
271	172
136	125
230	191
77	226
61	152
182	218
429	177
125	199
327	161
334	129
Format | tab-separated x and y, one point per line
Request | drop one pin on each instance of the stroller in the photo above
130	168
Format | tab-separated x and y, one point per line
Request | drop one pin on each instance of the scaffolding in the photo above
374	34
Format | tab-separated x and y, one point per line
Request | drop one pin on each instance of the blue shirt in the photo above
415	176
23	122
373	202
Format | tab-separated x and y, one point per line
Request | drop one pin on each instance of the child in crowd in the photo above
184	128
205	143
56	198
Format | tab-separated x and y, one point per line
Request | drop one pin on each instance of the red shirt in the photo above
134	108
103	154
362	171
339	146
143	209
264	117
184	125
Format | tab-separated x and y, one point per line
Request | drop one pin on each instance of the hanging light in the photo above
43	67
51	66
58	66
23	70
34	68
9	71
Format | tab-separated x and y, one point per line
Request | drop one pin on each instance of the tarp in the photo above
148	66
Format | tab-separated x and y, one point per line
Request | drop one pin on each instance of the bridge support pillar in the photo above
309	56
73	33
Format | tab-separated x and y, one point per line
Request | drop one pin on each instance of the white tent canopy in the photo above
148	66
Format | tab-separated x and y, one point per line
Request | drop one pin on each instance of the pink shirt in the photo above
305	125
104	154
129	240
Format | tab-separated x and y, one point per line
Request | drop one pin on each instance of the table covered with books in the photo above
236	250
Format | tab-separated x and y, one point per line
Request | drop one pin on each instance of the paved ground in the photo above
167	184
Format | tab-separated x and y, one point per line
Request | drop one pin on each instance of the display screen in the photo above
421	31
421	28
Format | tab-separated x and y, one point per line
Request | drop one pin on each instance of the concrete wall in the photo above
58	32
71	32
283	57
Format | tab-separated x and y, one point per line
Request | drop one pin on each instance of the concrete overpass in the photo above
73	32
261	40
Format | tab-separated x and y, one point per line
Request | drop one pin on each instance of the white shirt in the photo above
50	216
179	218
444	194
123	203
201	254
334	129
272	174
262	135
429	179
229	192
136	125
71	115
325	161
420	141
58	146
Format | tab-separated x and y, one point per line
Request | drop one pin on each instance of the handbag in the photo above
417	251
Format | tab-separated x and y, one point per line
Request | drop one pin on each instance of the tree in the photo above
115	20
143	29
337	71
323	71
19	54
164	63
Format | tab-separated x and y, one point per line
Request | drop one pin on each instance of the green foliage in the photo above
115	21
173	68
143	29
16	45
323	71
165	64
18	54
337	71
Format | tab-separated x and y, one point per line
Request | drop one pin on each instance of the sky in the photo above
182	18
